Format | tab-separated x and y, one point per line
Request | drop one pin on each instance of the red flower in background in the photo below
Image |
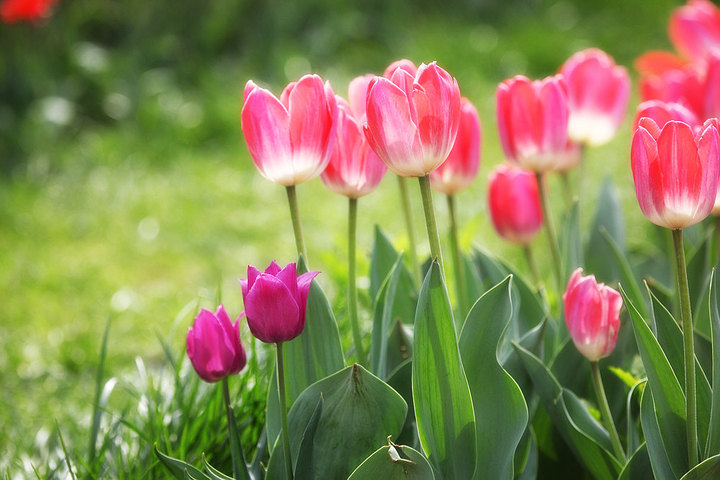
13	11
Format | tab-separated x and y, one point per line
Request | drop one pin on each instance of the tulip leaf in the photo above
662	470
627	276
667	394
599	258
526	456
638	466
583	434
240	470
382	260
394	462
571	243
194	474
498	402
707	470
401	380
177	467
698	271
213	472
443	405
713	441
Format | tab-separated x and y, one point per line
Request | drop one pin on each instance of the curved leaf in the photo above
394	462
638	466
707	470
713	441
176	466
661	467
599	258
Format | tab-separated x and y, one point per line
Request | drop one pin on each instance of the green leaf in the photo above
313	355
638	466
662	470
213	472
713	441
394	462
382	260
177	467
583	434
627	277
443	405
667	394
599	257
497	400
526	456
707	470
698	270
304	465
401	381
571	243
195	475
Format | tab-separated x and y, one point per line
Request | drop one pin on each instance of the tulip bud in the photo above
592	313
213	345
675	171
291	139
514	203
459	170
275	301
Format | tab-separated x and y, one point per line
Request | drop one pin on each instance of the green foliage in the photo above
394	462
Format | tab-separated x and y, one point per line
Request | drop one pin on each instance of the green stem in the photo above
567	189
550	229
234	447
716	253
688	348
297	226
605	411
531	264
432	231
352	289
409	224
458	265
283	411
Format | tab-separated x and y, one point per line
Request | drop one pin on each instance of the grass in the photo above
145	221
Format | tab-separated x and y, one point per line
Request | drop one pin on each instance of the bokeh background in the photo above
127	193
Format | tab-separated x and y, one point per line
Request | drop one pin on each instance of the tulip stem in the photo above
688	348
407	210
605	411
352	289
458	263
283	410
432	231
234	447
531	264
297	226
550	229
567	189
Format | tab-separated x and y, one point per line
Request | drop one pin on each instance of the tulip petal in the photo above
709	158
272	313
646	173
680	171
304	282
273	269
554	117
288	276
357	94
247	283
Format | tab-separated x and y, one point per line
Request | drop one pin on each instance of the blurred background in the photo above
126	189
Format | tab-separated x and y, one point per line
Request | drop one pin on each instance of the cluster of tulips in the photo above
471	406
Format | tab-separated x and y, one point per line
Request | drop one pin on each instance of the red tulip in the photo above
662	112
291	139
514	203
598	93
461	166
695	29
533	121
354	169
357	95
412	121
675	171
275	301
592	315
12	11
213	345
685	86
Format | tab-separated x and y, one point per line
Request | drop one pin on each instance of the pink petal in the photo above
357	94
554	116
304	282
403	64
273	269
644	163
288	276
272	313
681	173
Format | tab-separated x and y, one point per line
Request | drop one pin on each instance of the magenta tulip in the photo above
695	30
459	170
662	112
533	121
275	301
598	93
412	121
514	203
675	171
290	139
354	169
592	315
213	345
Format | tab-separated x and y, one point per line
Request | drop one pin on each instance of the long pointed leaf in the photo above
713	441
388	463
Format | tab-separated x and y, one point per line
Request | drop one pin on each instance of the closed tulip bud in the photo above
459	170
592	315
354	169
412	120
275	301
12	11
695	29
291	139
213	345
662	112
598	93
533	121
675	171
514	204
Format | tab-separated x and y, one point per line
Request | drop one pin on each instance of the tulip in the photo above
404	64
357	95
514	203
598	93
213	345
275	301
461	166
685	86
412	121
290	139
662	112
13	11
675	171
695	30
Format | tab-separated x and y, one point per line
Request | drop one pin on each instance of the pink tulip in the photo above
412	121
514	203
291	139
533	121
598	93
404	64
663	112
357	95
213	345
675	171
354	169
695	29
461	166
12	11
685	86
275	301
592	315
